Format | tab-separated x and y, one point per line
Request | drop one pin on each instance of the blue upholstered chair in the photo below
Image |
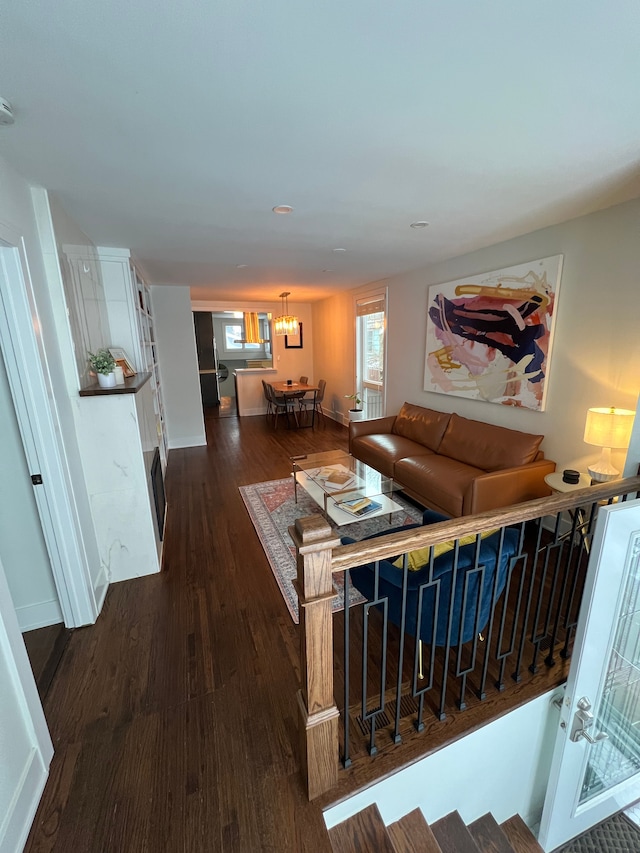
478	596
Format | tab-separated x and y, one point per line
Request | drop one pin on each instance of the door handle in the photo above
582	721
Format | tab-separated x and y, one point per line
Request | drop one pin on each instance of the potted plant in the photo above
103	363
355	413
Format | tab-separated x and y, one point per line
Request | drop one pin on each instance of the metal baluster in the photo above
447	649
403	619
516	675
346	758
536	638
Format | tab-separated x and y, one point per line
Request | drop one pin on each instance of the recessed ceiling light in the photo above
241	266
420	224
282	208
339	250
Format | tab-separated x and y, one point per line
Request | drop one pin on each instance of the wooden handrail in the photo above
347	556
320	556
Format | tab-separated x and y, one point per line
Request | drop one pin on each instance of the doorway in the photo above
371	353
223	347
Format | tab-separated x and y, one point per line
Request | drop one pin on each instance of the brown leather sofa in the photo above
452	464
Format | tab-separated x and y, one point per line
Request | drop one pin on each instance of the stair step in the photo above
362	832
520	836
411	834
488	836
453	836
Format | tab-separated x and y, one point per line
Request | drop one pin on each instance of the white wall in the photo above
632	465
489	770
22	547
178	364
334	354
596	355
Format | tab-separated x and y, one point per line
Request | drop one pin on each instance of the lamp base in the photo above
603	471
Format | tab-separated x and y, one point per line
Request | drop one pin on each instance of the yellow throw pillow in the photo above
420	557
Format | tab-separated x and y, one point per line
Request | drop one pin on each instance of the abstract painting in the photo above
489	336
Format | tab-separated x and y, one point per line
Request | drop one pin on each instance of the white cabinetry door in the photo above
25	745
130	310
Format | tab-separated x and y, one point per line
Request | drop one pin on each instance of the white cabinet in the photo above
130	310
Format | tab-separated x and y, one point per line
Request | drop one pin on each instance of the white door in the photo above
370	353
595	770
21	349
25	745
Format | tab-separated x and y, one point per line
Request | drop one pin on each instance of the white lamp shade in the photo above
609	427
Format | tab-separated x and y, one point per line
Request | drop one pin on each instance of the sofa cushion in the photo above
493	447
436	478
424	426
419	558
381	451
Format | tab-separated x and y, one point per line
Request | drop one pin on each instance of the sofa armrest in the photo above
497	489
372	427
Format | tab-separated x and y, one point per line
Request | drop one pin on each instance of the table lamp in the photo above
608	428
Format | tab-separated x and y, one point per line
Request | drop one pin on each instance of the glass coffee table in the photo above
345	488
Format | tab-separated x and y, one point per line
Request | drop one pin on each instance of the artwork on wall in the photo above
294	341
489	336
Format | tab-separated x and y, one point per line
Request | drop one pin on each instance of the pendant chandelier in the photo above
285	324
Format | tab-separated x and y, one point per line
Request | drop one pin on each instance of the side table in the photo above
557	484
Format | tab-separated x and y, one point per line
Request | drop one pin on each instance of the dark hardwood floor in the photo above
174	716
45	647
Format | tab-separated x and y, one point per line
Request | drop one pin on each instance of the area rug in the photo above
272	510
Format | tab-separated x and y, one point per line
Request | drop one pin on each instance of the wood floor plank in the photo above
452	835
488	836
363	832
520	836
412	834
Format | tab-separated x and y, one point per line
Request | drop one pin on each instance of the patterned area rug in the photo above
616	835
272	510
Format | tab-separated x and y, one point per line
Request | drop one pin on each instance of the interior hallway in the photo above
174	717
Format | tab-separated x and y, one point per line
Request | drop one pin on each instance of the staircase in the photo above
366	833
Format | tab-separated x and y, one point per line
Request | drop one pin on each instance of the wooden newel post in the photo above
317	711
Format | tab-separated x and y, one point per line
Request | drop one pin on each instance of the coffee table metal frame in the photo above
308	473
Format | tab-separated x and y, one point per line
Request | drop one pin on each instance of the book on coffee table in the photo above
335	479
359	505
340	479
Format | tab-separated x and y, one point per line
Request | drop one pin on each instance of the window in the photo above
232	336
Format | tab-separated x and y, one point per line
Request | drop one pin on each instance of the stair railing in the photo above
544	588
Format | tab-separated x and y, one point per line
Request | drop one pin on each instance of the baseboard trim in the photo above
40	615
188	441
15	828
100	587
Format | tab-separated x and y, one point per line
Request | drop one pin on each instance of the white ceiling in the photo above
174	128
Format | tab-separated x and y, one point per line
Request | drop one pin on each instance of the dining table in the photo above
293	392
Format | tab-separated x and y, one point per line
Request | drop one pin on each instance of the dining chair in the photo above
320	395
279	405
267	396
